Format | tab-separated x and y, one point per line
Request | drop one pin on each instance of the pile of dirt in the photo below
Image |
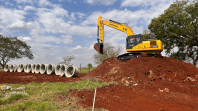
135	98
145	69
144	83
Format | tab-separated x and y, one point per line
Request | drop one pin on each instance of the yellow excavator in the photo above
135	46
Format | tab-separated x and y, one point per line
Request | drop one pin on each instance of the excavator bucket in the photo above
99	47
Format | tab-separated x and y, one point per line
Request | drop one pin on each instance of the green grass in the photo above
11	99
1	70
32	106
85	69
47	96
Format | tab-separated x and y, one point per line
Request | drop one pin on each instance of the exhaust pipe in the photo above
43	68
62	70
71	71
37	69
6	68
33	68
57	69
51	69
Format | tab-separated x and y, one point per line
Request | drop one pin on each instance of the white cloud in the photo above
76	48
8	3
66	39
56	20
134	3
27	8
65	0
45	38
8	16
103	2
45	3
24	1
13	19
132	18
73	17
24	38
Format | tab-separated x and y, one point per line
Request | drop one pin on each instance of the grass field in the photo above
85	69
46	97
1	70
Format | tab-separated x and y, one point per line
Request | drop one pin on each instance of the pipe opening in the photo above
71	71
33	68
57	69
15	68
50	69
42	68
62	70
6	68
11	68
37	69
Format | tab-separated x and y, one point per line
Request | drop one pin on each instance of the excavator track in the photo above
128	56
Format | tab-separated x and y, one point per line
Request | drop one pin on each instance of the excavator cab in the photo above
98	47
133	40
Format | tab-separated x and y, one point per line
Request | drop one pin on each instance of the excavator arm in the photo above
116	25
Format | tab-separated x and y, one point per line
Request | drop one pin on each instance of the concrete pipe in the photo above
51	69
21	68
18	68
28	68
33	68
43	68
57	69
71	71
37	68
15	68
62	70
7	68
11	68
25	68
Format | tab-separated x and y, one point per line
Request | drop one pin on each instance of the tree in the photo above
108	52
89	65
177	27
147	35
67	59
12	48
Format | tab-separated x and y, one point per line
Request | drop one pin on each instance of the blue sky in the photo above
58	28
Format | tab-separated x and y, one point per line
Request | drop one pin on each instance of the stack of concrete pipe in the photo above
60	69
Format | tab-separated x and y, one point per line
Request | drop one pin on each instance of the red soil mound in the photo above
145	69
150	84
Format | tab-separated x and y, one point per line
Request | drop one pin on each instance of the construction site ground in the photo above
140	84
